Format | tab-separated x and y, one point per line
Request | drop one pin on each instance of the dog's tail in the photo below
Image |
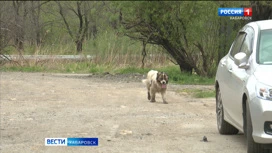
144	81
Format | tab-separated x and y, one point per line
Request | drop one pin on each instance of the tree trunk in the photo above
82	13
19	22
179	56
185	67
143	54
79	46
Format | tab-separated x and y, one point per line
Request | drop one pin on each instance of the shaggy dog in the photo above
156	82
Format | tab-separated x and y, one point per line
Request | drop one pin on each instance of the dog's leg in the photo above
148	91
153	94
163	97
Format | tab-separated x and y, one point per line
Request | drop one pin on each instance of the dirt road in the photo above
35	106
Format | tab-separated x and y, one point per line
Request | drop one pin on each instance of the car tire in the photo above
223	126
252	146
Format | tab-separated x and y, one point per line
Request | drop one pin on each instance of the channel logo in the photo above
71	141
55	141
247	12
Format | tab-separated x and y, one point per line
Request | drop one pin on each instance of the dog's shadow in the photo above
158	102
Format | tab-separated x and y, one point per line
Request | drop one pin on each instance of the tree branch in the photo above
64	19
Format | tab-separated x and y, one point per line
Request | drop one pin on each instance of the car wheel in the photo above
252	146
223	126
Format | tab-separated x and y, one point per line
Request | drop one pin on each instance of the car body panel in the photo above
235	82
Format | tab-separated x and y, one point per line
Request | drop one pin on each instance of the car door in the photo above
236	77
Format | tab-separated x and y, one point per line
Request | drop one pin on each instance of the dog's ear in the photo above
166	77
158	75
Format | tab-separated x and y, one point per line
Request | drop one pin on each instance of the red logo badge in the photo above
247	11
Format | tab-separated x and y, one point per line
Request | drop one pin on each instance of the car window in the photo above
237	44
248	42
246	46
265	47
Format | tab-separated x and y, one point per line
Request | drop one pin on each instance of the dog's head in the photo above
162	79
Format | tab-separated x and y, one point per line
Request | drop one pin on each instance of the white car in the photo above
244	87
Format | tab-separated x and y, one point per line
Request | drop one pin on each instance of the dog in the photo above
156	82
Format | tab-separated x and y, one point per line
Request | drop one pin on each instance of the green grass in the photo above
175	76
128	70
23	69
199	93
174	73
58	67
83	67
204	94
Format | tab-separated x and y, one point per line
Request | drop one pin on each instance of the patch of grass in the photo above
83	67
59	67
199	93
128	70
175	76
23	69
204	94
174	73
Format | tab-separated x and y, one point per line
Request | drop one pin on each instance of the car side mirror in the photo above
240	59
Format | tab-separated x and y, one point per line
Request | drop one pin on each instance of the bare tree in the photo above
16	26
36	24
20	14
81	12
7	29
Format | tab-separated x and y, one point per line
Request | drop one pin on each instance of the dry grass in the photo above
101	63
